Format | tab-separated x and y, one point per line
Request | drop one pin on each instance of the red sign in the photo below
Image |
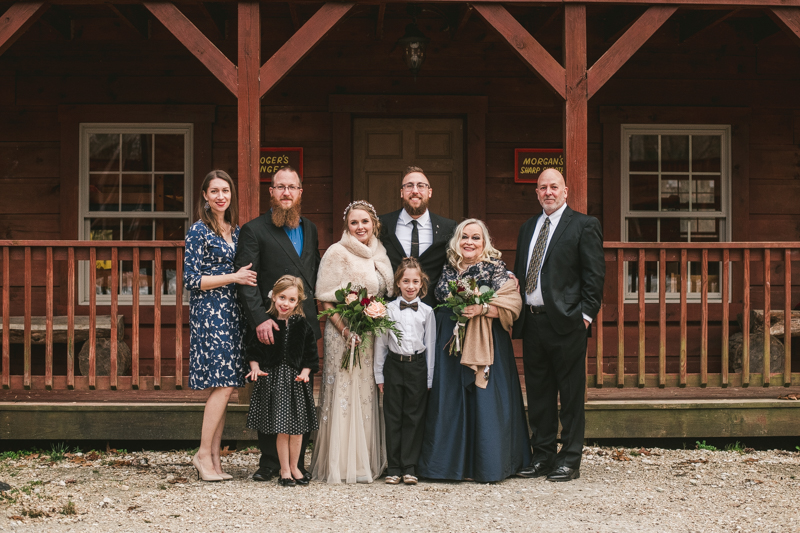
274	159
530	162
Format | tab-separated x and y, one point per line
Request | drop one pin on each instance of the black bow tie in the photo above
404	305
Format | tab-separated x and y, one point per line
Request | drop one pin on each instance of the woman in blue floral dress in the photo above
215	338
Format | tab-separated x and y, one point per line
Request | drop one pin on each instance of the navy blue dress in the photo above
474	433
215	319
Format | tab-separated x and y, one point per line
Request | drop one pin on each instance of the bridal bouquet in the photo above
463	293
366	317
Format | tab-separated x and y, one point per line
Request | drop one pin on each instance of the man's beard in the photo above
285	217
416	211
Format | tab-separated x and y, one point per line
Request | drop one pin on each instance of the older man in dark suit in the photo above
414	231
560	259
279	242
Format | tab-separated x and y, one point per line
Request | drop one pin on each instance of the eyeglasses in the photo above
419	186
290	188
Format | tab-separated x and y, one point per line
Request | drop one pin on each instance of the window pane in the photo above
136	192
642	230
169	192
707	229
643	192
644	153
103	229
104	152
137	229
104	192
706	153
674	193
672	230
169	153
170	230
136	152
706	193
674	153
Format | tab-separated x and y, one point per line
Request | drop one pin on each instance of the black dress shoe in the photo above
263	474
535	470
302	481
564	473
306	474
286	482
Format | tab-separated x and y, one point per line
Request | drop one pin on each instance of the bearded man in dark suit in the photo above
279	242
560	259
414	231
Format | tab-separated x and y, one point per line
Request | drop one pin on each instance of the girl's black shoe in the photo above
286	482
301	481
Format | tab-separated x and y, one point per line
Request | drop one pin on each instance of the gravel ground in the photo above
620	490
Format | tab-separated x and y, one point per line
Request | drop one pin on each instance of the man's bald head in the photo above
551	189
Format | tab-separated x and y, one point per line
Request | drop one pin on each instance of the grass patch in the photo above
57	452
68	509
701	445
735	447
33	513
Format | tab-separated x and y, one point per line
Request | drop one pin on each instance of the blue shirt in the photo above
296	236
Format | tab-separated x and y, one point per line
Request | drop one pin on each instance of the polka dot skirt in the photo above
280	404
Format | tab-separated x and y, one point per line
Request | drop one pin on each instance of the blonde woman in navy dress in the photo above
215	338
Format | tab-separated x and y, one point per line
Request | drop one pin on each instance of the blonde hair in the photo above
287	282
490	253
363	205
410	263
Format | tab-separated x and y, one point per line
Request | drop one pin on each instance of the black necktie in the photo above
414	240
404	305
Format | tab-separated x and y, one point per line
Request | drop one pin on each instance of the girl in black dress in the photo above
282	402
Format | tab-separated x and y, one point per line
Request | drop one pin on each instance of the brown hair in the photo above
288	168
363	205
410	263
287	282
231	214
410	170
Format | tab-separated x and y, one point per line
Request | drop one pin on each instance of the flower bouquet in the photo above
463	293
366	317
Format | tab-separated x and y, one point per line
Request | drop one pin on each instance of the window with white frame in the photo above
135	185
675	188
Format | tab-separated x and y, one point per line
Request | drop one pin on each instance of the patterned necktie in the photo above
414	240
532	278
404	305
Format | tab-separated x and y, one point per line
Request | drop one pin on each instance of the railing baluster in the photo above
620	320
704	320
112	372
746	319
135	322
92	318
787	317
6	319
71	318
767	316
48	335
27	339
726	262
640	362
178	318
684	288
662	318
156	285
599	329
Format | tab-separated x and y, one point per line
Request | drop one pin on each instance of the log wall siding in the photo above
107	62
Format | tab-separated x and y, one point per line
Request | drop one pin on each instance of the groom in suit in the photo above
414	231
560	259
278	243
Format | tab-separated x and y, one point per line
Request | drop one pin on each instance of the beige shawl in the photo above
478	352
350	261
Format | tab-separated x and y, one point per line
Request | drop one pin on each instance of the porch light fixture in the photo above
414	43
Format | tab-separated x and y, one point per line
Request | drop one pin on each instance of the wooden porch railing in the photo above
747	272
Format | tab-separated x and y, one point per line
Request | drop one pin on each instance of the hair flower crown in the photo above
359	203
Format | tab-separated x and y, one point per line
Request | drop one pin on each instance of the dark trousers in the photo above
555	367
405	398
269	449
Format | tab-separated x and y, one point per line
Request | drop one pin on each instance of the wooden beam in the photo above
524	45
249	109
626	46
301	43
132	18
379	24
788	18
197	43
16	20
696	22
576	109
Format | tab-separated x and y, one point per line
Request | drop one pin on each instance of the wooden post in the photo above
576	106
249	109
18	18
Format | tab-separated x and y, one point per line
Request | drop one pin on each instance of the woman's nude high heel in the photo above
202	473
225	476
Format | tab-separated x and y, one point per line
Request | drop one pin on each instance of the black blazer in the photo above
573	270
432	260
295	344
273	255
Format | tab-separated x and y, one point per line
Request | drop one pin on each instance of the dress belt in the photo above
406	358
536	309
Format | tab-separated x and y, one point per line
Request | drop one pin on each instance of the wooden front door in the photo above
384	147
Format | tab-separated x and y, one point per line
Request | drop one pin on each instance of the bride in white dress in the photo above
350	446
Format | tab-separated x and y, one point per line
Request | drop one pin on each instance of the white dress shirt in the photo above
418	329
535	298
424	227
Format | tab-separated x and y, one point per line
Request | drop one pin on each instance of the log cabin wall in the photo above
718	63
